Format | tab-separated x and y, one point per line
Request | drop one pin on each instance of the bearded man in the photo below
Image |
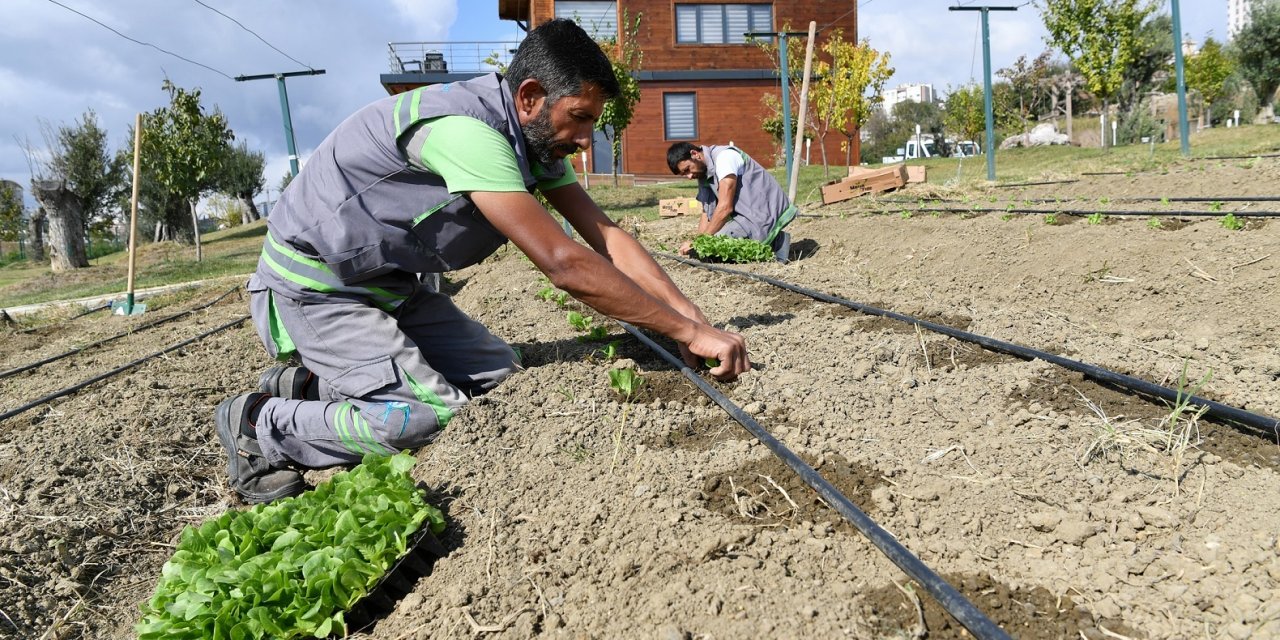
409	187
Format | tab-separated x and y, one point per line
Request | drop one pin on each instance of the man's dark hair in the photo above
561	56
679	152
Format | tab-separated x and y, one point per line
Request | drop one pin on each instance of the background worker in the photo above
410	186
739	198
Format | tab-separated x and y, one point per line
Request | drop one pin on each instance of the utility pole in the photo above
1184	128
782	37
986	86
284	108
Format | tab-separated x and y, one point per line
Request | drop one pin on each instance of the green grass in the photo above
227	252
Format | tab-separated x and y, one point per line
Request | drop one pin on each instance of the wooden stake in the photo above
804	107
133	213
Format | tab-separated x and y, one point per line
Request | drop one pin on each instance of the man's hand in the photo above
686	248
727	347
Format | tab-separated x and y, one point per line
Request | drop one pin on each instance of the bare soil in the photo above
1062	508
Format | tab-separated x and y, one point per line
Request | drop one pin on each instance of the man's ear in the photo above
695	154
529	97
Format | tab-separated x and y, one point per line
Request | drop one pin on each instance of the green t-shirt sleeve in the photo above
569	177
468	154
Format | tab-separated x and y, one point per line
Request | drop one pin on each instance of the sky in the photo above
56	64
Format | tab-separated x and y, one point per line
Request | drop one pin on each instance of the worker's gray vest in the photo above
760	201
358	222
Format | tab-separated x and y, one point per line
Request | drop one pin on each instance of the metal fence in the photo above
450	57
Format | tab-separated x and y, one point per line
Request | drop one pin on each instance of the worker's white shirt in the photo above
728	162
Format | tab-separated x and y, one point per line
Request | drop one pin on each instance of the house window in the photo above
680	116
720	23
598	19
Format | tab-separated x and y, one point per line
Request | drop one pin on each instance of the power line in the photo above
255	34
134	40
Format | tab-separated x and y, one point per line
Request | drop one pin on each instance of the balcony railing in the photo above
449	57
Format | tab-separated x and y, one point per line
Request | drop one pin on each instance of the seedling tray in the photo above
416	563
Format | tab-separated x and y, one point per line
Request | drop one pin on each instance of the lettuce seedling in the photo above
731	249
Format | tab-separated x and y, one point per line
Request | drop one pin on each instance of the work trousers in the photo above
388	380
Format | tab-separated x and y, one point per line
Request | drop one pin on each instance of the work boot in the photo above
248	470
293	383
782	247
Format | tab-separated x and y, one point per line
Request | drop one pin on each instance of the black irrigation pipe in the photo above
951	600
143	327
121	369
1262	422
1089	212
1032	184
1116	199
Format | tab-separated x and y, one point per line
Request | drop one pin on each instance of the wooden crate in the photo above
672	207
865	182
916	174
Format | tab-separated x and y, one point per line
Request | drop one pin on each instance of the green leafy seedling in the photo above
1154	223
595	334
609	351
1007	217
546	293
578	321
1096	218
731	249
1215	206
1231	222
1050	219
626	381
904	214
711	362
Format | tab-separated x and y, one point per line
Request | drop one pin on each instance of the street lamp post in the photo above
284	108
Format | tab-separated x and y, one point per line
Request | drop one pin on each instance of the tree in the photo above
1259	57
1207	72
185	150
75	186
966	112
1099	36
626	57
1027	80
10	211
847	89
243	178
1152	62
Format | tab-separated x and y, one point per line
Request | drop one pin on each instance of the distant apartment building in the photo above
908	92
1238	12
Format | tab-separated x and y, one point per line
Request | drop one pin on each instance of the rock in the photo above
1074	532
1044	521
1157	517
1043	134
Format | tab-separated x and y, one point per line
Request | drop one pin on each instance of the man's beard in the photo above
539	138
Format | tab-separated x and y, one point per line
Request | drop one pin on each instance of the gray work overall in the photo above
760	207
339	284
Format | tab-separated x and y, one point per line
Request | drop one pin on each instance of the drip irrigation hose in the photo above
1116	199
143	327
1032	184
121	369
1089	212
102	307
1235	415
951	600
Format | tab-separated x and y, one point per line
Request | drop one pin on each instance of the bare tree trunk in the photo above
1071	90
195	226
66	229
251	209
35	235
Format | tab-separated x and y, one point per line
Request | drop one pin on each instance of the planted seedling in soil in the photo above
1154	223
626	382
1096	218
1231	222
1050	219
